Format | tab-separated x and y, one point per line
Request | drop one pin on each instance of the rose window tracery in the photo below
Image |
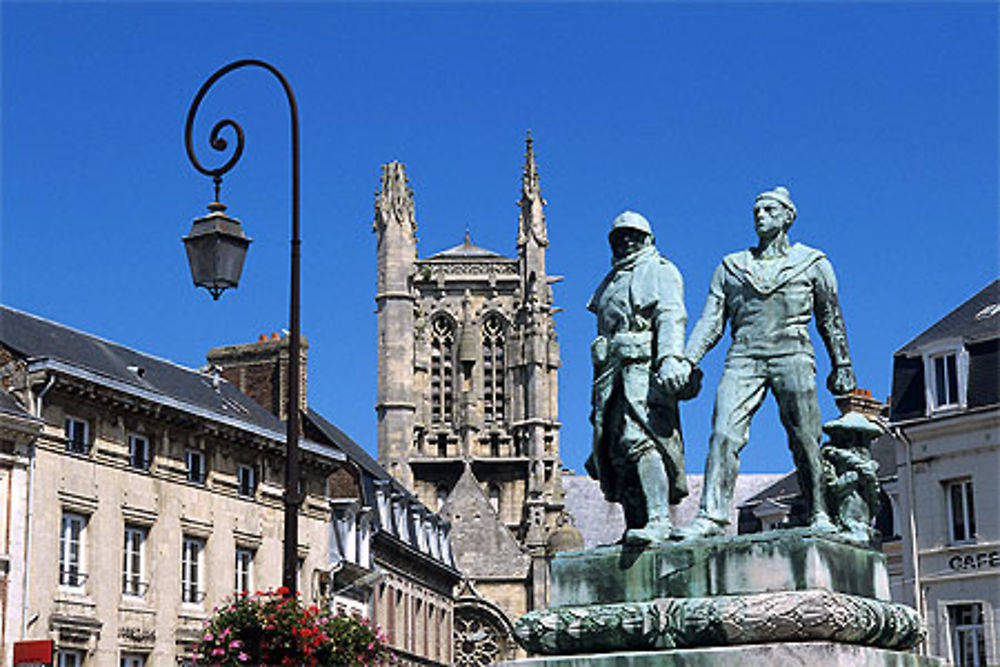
479	641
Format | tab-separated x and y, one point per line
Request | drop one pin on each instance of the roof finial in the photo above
468	236
529	180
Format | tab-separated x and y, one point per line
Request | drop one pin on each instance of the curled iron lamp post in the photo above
216	247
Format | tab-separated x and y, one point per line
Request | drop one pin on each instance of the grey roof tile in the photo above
466	250
978	318
37	339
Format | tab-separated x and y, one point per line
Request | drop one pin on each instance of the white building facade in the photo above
946	419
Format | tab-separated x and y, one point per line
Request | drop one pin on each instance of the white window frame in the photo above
70	425
244	569
69	658
940	351
243	470
133	440
364	538
132	660
957	632
134	561
495	497
68	579
192	569
190	456
967	510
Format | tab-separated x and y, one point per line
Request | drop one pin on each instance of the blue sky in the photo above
880	118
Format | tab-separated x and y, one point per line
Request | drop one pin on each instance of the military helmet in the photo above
630	220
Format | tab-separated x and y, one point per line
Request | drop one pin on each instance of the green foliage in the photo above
272	628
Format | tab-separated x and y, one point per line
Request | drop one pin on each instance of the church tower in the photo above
467	400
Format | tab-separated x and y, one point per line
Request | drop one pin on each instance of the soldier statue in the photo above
638	453
768	294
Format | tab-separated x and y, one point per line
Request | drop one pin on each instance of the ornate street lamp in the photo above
216	247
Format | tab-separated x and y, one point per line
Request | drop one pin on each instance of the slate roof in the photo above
785	487
601	522
466	250
47	344
356	453
483	546
976	319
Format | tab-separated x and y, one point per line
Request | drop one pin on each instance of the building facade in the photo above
467	403
19	431
150	494
390	556
946	417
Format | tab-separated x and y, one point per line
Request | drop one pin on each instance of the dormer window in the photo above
382	502
946	373
400	510
945	380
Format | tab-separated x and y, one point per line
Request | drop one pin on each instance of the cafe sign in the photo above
976	561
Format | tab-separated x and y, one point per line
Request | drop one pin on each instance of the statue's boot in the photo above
656	489
700	527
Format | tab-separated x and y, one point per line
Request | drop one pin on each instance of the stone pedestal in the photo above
789	560
817	654
790	597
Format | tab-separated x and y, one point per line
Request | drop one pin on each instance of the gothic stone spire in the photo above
532	219
394	202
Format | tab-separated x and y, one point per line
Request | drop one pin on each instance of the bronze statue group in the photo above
642	369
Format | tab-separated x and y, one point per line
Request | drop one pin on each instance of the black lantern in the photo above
216	247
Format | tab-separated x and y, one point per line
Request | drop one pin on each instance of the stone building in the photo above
467	403
152	492
18	432
946	416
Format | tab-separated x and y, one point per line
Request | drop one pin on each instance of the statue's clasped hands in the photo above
674	373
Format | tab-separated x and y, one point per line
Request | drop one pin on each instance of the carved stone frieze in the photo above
471	269
812	615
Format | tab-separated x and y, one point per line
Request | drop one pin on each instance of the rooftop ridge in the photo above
104	340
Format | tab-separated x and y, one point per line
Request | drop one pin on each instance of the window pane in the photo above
139	452
190	570
957	513
951	375
971	510
968	636
939	385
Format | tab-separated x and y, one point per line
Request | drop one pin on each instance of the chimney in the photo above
860	400
260	370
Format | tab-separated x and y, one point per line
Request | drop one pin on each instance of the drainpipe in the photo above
918	601
31	497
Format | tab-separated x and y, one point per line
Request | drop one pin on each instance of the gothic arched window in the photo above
494	330
442	368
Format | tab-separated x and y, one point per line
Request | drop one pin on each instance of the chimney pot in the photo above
275	336
261	338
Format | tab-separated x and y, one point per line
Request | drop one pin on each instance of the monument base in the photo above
826	654
786	560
